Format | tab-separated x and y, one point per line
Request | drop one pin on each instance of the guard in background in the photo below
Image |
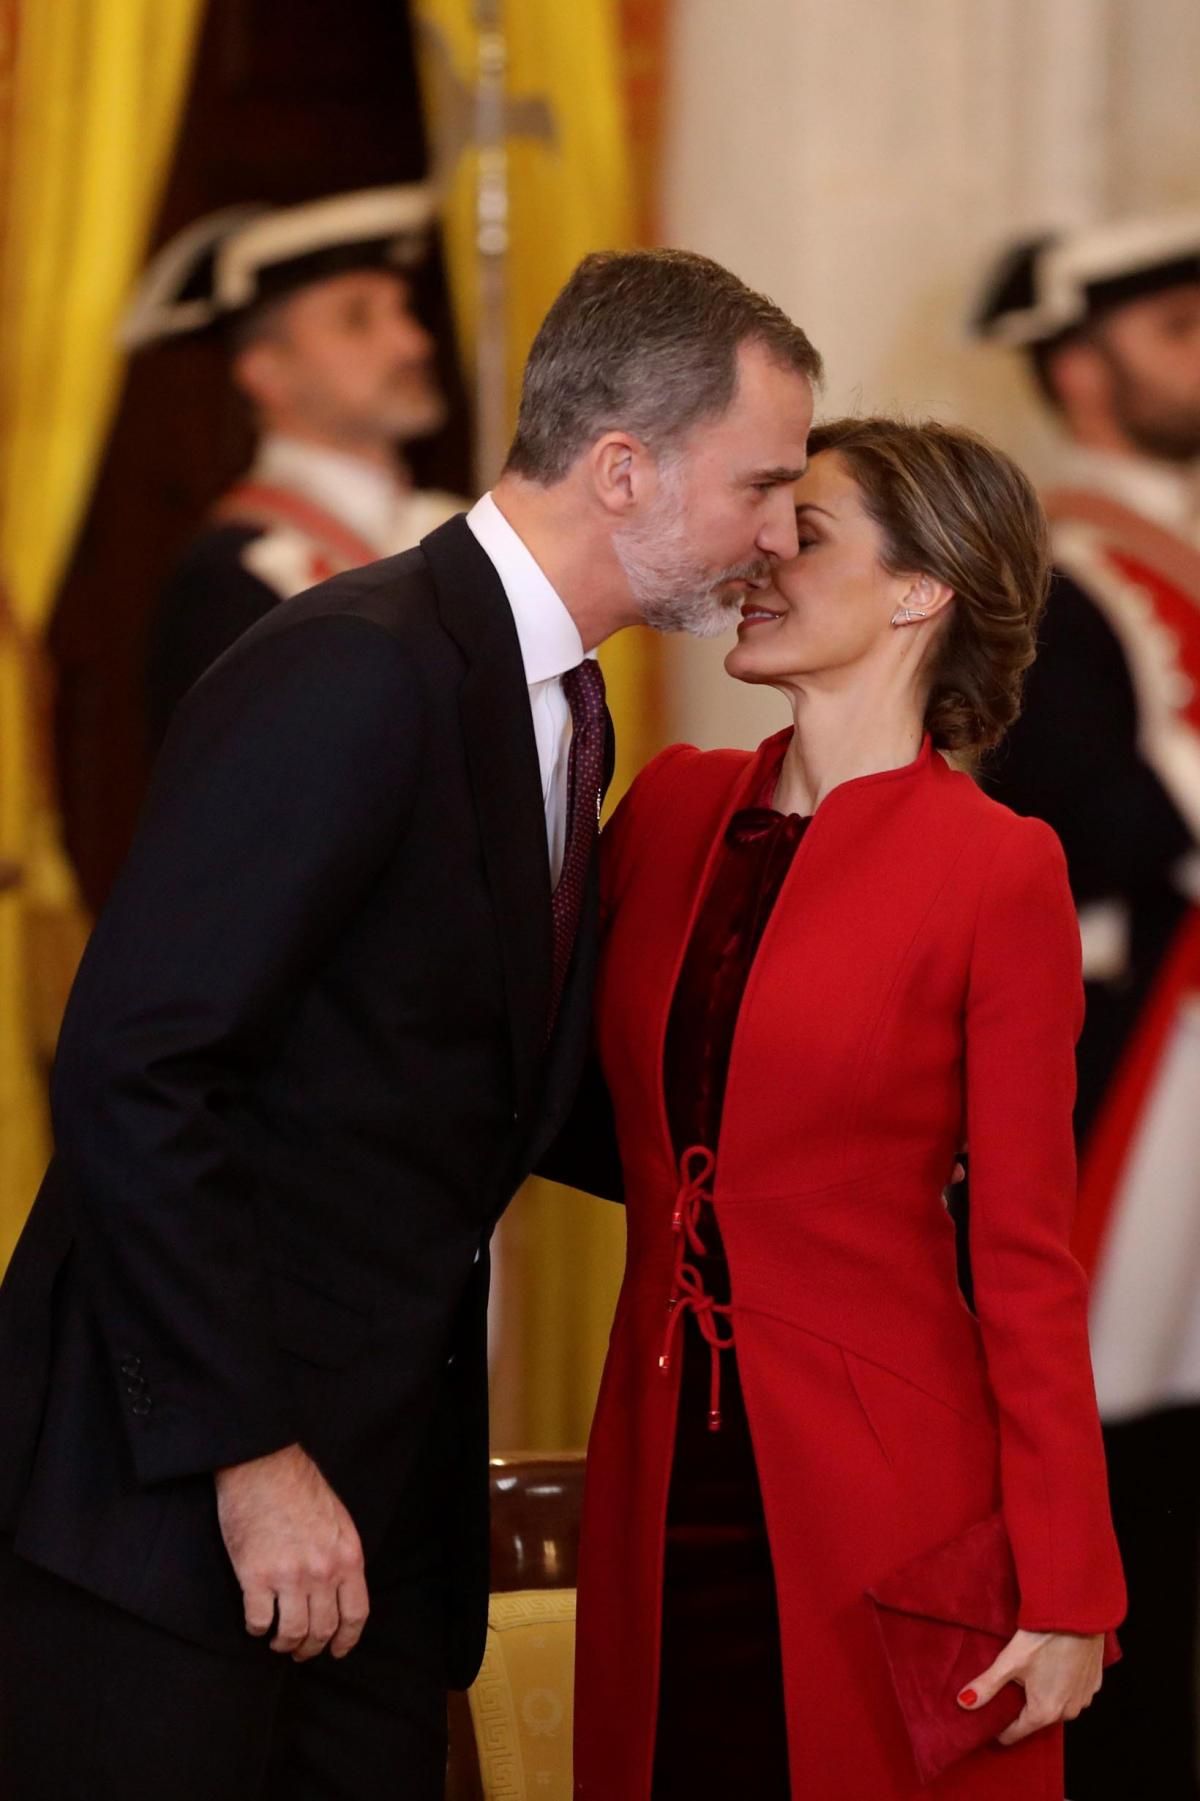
316	307
1108	751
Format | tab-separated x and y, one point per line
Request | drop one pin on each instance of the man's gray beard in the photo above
674	592
700	612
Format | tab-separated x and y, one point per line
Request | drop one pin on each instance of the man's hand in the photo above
291	1541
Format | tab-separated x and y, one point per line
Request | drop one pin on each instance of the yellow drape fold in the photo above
570	192
88	111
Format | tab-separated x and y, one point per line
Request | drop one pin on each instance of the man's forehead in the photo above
763	445
764	381
772	416
1182	299
350	284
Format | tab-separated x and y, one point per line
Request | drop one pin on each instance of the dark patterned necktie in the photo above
584	689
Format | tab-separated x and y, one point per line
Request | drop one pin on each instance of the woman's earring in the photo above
907	614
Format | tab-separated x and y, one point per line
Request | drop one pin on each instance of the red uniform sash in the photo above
336	547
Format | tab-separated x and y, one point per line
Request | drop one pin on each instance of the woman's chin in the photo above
742	664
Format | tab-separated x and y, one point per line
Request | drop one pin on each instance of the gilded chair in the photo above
510	1738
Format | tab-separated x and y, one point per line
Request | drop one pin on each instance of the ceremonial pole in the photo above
491	436
470	109
491	242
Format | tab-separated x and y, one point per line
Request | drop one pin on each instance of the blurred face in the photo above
1152	351
723	514
827	614
347	360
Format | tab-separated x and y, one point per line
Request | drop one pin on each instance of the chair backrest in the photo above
536	1503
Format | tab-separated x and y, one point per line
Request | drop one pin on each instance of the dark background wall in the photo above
290	99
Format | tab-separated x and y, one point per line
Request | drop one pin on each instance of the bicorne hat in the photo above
1047	287
225	265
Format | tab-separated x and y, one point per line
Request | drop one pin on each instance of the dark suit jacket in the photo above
302	1070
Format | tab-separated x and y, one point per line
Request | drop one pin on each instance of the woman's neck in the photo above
840	737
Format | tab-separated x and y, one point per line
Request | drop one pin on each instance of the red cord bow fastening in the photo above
688	1293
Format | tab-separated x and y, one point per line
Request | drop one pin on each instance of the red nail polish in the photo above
968	1697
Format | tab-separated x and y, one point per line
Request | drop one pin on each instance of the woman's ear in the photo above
925	599
935	596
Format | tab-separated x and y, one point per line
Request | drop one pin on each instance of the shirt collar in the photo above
1166	493
362	495
548	636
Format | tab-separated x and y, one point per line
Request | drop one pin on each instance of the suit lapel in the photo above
497	729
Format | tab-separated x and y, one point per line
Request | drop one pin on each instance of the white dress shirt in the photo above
377	504
550	645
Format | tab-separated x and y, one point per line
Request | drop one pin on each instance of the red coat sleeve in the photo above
629	830
1024	1012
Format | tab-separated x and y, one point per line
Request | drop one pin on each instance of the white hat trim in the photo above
277	237
1067	268
154	313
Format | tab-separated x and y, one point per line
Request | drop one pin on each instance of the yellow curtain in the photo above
559	1254
91	95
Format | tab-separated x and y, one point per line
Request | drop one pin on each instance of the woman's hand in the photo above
1059	1671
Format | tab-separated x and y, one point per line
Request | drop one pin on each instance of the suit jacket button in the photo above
141	1406
131	1366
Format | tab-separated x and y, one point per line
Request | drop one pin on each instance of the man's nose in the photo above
412	339
777	535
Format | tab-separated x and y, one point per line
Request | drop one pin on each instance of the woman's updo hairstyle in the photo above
952	506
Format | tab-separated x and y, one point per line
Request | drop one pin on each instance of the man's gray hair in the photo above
647	342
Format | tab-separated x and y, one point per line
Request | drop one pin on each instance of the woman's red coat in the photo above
917	989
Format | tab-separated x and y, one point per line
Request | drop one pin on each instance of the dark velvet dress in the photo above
721	1721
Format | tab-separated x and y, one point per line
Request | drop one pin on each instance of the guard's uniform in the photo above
300	515
1107	750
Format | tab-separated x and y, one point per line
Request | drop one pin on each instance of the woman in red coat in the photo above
828	967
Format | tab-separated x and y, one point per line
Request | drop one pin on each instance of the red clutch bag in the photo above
944	1618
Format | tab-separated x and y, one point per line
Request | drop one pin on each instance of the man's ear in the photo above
256	372
622	473
1082	379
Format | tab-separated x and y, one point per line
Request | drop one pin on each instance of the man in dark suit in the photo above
332	1016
